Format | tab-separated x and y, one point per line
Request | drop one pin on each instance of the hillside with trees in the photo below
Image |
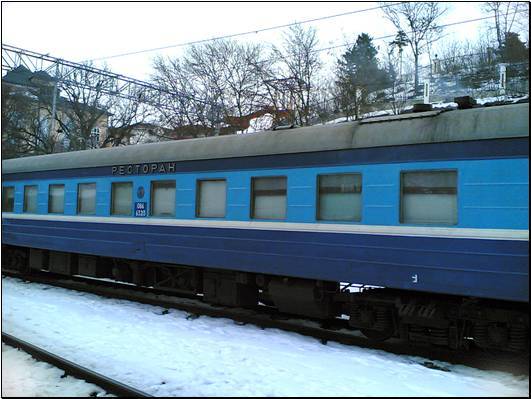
222	86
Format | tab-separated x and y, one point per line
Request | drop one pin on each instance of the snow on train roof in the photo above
425	127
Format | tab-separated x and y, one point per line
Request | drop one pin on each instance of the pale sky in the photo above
82	31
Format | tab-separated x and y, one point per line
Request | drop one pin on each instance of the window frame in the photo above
318	199
49	202
95	199
400	196
4	189
151	202
252	202
24	204
198	198
111	213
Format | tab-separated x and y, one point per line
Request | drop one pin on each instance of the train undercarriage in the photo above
379	313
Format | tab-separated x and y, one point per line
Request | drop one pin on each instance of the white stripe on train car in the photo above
412	231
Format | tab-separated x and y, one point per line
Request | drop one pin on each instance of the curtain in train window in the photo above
268	198
429	197
211	198
8	199
56	198
30	199
86	199
163	198
122	199
339	197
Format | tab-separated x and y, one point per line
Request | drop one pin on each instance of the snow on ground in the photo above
24	376
168	354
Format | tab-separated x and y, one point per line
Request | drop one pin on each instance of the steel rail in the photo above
73	369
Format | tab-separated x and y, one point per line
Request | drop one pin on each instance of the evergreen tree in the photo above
399	42
513	49
359	75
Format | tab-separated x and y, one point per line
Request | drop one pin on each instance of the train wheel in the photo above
15	259
122	272
375	335
383	327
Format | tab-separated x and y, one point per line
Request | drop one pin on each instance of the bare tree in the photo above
522	20
324	102
459	57
127	116
184	109
83	106
300	62
418	22
27	115
25	124
92	113
216	81
506	13
393	63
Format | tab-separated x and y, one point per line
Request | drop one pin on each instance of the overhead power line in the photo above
394	34
292	24
241	33
13	56
123	86
389	36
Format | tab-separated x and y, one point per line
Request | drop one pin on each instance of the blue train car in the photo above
433	206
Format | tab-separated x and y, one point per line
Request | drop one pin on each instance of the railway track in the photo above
75	370
265	317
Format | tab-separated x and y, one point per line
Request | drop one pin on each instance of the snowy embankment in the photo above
436	106
24	376
167	354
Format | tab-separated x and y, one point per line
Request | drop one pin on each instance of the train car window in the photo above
268	197
211	198
56	198
122	199
8	199
86	199
30	199
339	197
429	197
163	198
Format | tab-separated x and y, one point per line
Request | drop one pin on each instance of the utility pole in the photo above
427	92
503	79
54	100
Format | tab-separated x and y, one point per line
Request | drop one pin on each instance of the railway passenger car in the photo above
431	208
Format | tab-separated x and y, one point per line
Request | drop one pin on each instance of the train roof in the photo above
480	123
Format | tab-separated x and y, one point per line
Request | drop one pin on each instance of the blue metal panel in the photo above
70	196
19	198
381	186
238	194
185	196
491	193
485	268
42	198
301	195
495	193
103	198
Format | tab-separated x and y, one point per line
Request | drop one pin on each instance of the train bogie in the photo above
91	266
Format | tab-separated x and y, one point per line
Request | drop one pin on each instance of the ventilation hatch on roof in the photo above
413	115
